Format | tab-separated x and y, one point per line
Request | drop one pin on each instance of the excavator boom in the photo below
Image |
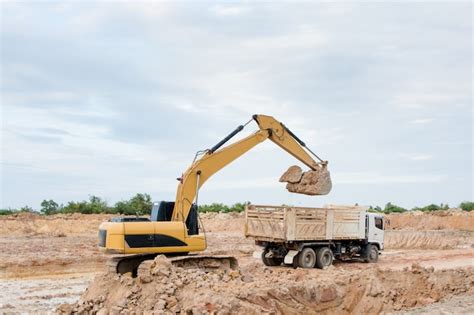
217	158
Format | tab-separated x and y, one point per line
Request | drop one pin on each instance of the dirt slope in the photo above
452	219
163	287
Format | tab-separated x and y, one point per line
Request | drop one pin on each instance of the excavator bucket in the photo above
314	182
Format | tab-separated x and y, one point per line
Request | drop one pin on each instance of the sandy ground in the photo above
463	304
46	262
42	294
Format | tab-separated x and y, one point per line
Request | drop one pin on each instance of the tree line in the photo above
392	208
141	204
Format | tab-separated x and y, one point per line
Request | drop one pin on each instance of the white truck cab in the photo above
375	229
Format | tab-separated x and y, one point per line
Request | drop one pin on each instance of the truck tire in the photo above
271	262
324	258
371	254
307	258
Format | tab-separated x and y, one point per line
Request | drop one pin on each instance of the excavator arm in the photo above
216	158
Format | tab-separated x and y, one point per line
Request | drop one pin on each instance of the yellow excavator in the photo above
173	228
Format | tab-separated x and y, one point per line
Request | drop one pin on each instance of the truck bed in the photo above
285	223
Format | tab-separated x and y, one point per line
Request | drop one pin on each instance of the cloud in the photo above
422	121
418	157
229	10
421	157
113	98
376	178
265	182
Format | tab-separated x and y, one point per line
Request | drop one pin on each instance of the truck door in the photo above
375	230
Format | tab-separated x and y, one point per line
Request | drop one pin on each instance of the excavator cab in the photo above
163	211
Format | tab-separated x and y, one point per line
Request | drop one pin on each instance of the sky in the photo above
115	98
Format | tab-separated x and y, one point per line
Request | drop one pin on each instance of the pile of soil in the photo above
33	224
315	182
451	219
442	239
164	288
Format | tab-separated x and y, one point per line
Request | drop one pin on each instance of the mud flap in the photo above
257	253
290	256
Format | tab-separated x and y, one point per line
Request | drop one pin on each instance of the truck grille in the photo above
102	237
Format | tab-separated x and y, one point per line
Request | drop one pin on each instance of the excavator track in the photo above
137	264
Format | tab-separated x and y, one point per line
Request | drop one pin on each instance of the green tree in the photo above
138	204
141	203
374	209
389	208
214	207
432	207
77	207
97	205
444	207
7	211
122	207
26	209
239	206
49	207
467	205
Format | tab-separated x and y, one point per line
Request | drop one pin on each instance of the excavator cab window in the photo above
192	221
162	211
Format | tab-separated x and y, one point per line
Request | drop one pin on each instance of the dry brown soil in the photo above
48	261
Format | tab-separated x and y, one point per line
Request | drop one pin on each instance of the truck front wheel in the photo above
371	254
324	258
271	261
307	258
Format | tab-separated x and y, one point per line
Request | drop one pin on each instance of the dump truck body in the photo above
286	234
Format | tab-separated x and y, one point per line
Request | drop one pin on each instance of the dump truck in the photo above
314	237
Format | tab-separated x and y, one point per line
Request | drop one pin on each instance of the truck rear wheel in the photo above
324	258
371	254
307	258
271	261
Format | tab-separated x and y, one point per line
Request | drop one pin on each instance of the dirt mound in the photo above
452	219
54	225
443	239
168	289
316	182
220	222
